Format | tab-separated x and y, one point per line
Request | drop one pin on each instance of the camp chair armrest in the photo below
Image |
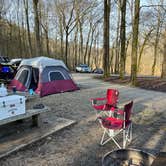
94	100
103	98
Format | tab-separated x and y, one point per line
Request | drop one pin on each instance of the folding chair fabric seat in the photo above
114	123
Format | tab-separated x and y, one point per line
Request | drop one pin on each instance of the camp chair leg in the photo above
103	141
124	139
131	134
116	143
127	135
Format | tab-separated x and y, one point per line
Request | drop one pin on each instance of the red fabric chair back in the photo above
127	110
112	96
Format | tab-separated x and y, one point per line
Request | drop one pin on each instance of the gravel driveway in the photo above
78	145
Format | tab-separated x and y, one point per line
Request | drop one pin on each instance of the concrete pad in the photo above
16	141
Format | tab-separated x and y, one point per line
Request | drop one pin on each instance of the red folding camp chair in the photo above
110	102
114	125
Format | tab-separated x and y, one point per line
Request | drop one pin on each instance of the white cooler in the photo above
11	106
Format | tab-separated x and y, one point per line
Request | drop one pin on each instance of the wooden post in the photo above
35	120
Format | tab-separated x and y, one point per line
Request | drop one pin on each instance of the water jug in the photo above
3	90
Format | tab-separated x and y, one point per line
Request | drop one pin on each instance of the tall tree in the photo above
81	39
145	40
87	42
37	28
66	10
26	9
45	25
163	73
122	38
106	65
157	36
116	69
60	28
135	42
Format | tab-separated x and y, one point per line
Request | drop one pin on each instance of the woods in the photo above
118	36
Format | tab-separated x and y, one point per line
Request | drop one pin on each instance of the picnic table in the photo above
34	113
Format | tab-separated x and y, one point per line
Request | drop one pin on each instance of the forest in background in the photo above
72	30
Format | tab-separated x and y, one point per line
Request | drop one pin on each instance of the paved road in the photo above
79	144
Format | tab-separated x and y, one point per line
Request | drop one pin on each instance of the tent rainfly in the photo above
44	75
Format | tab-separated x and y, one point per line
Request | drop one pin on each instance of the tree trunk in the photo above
163	73
19	30
37	28
47	42
25	51
135	43
66	47
62	48
156	43
98	51
19	40
76	46
106	66
28	27
116	69
81	41
87	43
55	46
123	39
111	59
90	47
142	48
96	43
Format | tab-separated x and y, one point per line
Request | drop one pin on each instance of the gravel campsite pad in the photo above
78	145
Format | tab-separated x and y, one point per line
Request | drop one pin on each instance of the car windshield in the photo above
83	65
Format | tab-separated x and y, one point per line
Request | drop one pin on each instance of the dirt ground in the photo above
78	145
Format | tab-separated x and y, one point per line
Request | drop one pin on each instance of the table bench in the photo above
34	113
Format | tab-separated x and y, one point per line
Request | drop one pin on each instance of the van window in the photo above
56	75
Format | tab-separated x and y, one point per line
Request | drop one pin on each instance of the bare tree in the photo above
91	42
87	42
157	36
116	69
135	43
106	26
146	38
66	10
37	28
122	38
60	28
163	73
26	9
45	25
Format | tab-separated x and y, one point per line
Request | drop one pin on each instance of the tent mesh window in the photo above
55	75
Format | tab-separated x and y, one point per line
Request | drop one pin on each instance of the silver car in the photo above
83	68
